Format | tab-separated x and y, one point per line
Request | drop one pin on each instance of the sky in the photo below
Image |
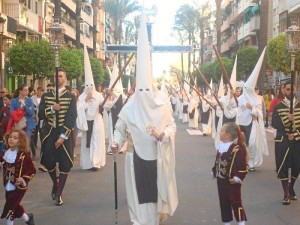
161	30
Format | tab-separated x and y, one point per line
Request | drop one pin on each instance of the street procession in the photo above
144	112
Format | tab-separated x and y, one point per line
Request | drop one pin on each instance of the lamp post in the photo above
2	22
293	39
56	39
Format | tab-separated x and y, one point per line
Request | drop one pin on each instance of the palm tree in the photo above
95	5
263	39
118	11
218	23
186	21
78	18
203	22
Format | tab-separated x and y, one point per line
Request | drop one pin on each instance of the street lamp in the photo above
293	39
2	22
56	39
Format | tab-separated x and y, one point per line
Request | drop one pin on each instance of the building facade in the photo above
31	19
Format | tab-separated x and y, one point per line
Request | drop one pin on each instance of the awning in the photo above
241	41
255	9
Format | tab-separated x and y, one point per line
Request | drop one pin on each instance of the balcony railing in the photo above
87	18
225	46
87	40
255	23
69	30
70	4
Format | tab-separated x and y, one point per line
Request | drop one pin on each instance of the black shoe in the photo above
59	201
94	169
204	134
252	169
293	195
54	192
286	200
30	221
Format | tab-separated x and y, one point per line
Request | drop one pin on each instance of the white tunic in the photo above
148	213
95	155
257	141
193	105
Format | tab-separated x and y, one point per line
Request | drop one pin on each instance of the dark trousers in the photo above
12	208
230	200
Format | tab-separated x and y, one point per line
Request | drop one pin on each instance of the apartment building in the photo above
31	19
282	12
240	24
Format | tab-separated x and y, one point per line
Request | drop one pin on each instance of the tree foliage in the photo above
246	61
36	58
98	71
212	70
277	55
72	61
118	11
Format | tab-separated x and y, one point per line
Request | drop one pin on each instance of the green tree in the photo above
208	72
246	61
36	58
97	70
217	71
72	61
277	55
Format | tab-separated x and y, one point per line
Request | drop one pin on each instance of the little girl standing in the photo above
230	169
18	170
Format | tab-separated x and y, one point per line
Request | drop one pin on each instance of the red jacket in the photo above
15	116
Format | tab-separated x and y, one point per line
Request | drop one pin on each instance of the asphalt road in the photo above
89	196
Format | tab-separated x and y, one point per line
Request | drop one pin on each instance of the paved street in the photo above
89	199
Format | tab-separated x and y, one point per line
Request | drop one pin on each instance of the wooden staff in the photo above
205	81
130	91
199	94
114	84
193	79
224	71
181	86
171	86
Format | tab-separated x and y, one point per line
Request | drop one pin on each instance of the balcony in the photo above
87	18
88	41
69	30
225	25
255	23
30	20
70	4
244	5
225	46
240	34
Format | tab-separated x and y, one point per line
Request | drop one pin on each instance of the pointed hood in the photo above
248	90
129	85
221	88
144	109
118	89
211	87
143	62
88	75
233	75
252	80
